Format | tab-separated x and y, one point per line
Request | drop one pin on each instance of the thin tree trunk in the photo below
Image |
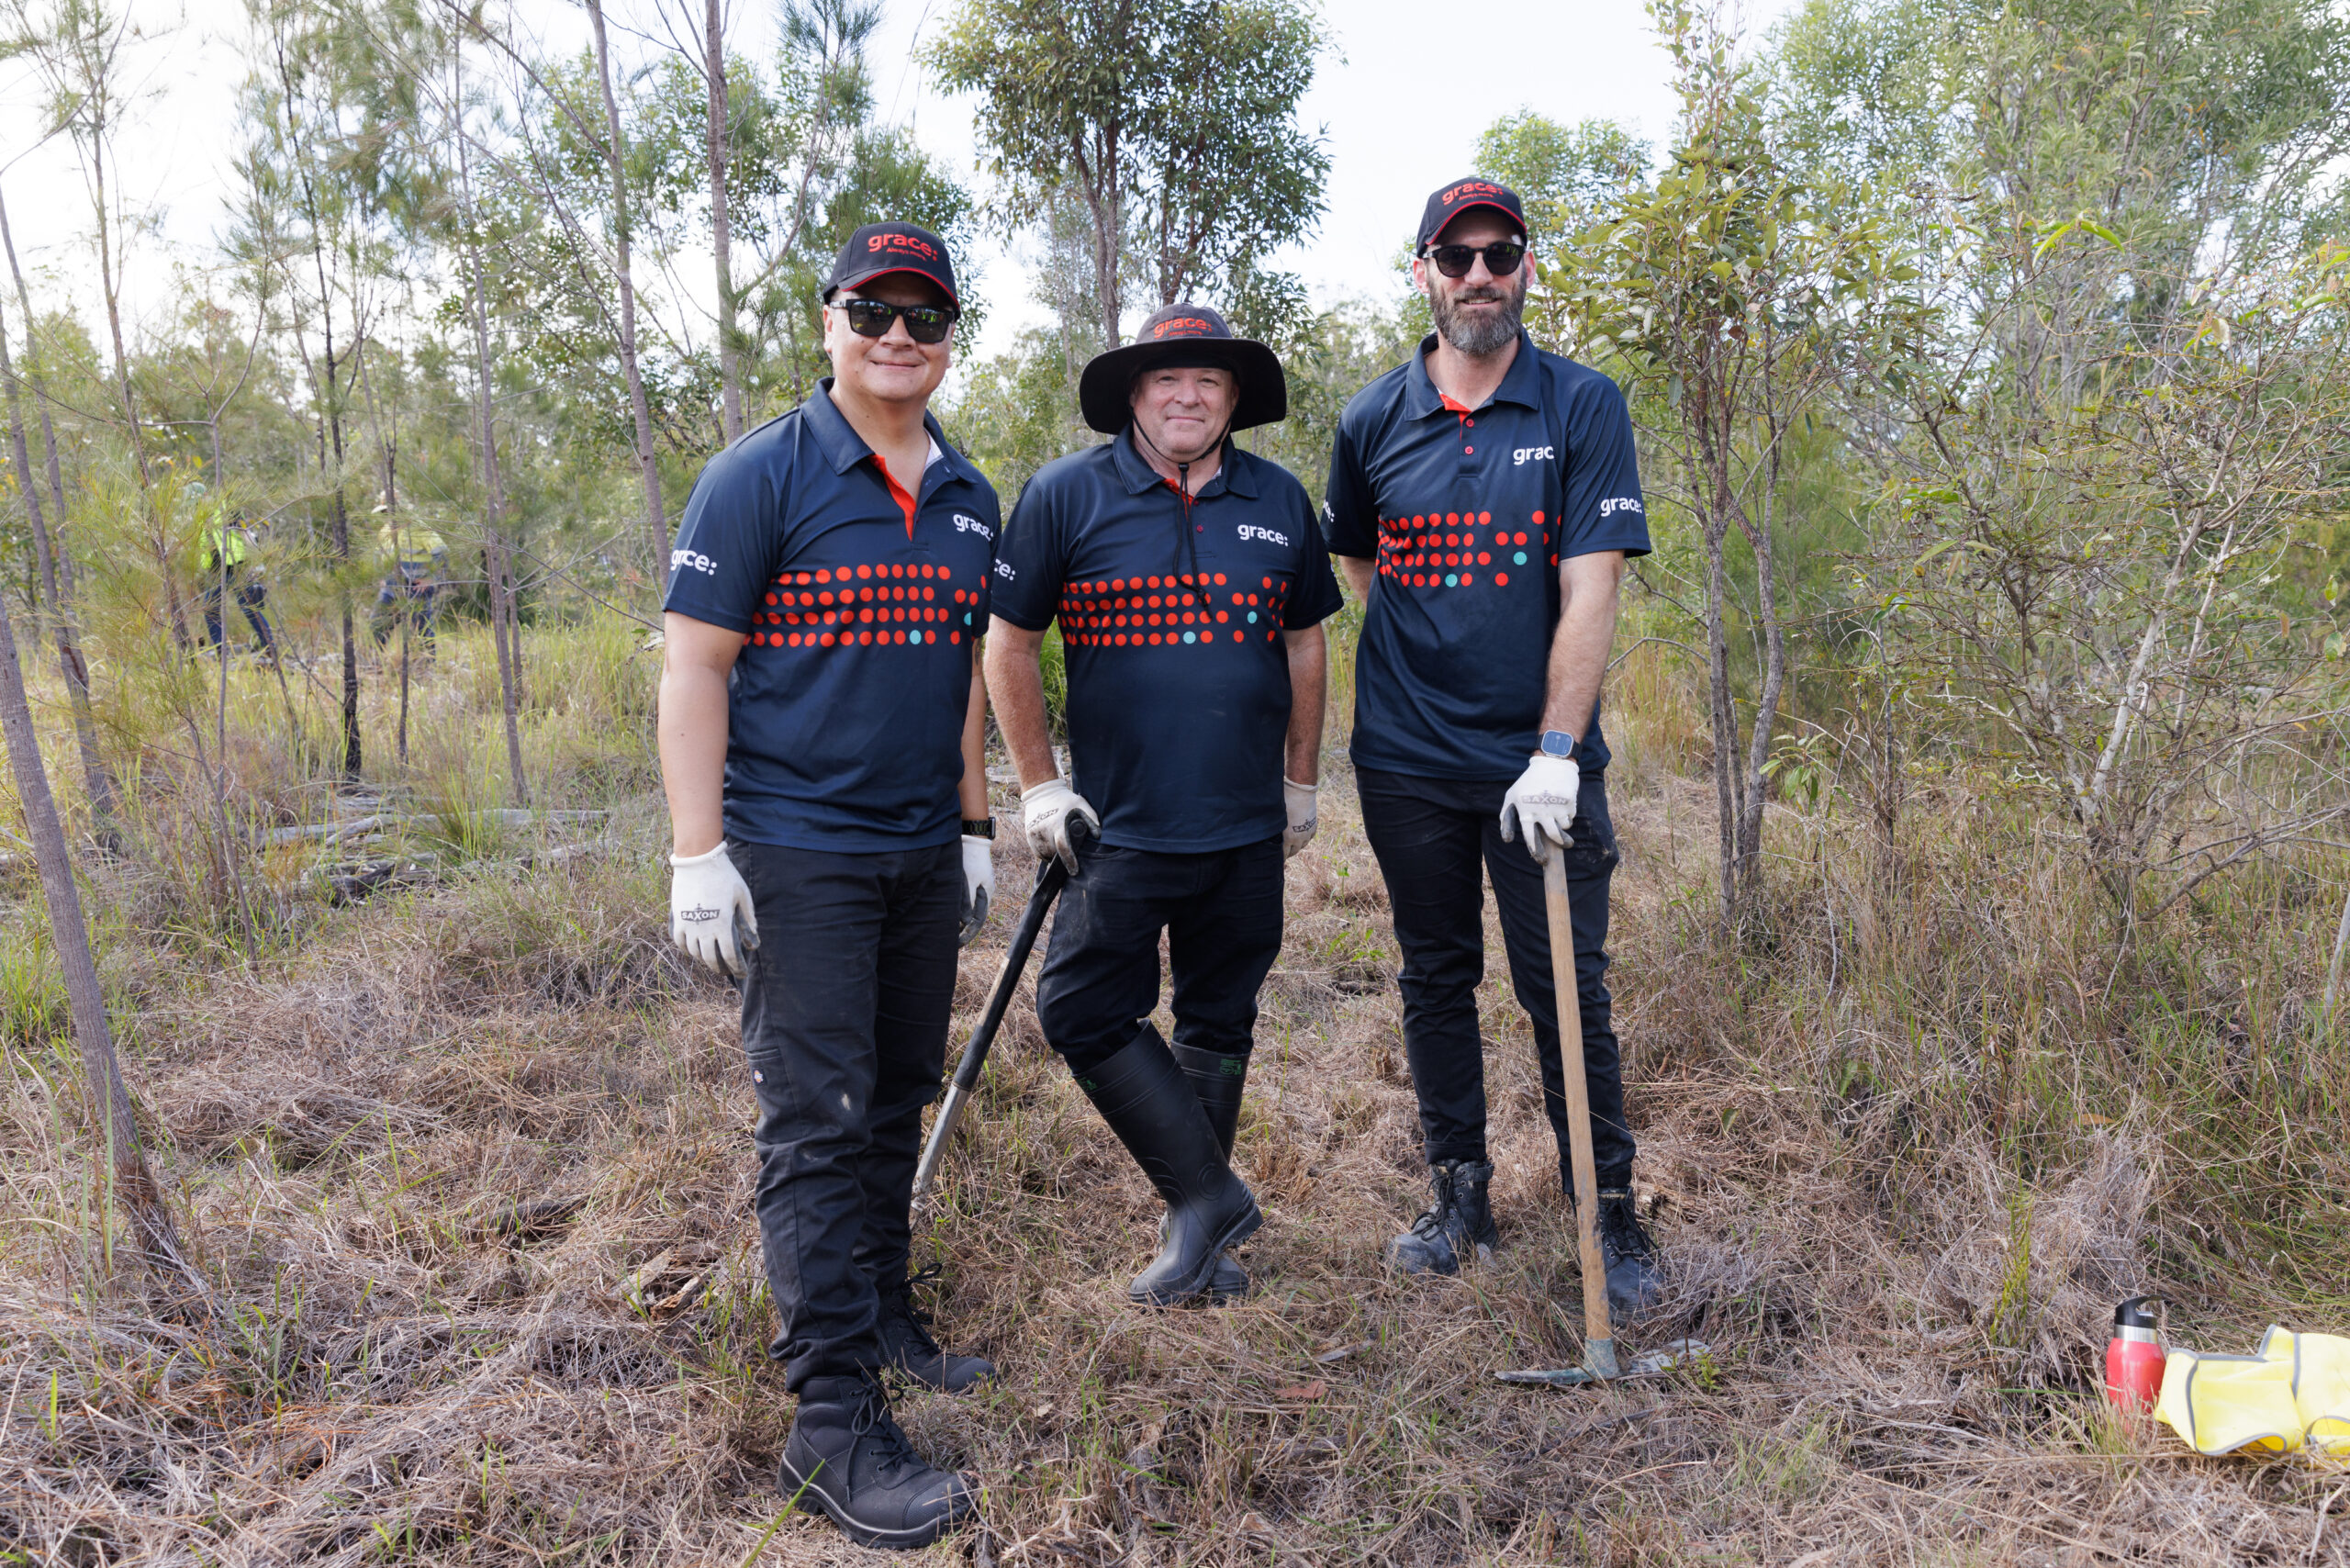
56	570
40	397
505	631
730	374
656	524
110	287
128	1180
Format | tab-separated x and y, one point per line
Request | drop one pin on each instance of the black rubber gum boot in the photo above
1457	1227
1148	1102
847	1459
907	1345
1217	1080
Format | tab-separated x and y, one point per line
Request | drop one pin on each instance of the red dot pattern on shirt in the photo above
1435	550
869	604
1173	610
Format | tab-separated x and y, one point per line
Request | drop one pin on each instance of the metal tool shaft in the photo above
1049	882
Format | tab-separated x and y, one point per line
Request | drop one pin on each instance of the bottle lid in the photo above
2134	1313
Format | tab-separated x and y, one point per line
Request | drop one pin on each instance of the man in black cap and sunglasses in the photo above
1483	500
820	723
1190	582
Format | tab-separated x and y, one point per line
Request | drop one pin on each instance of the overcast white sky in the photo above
1402	99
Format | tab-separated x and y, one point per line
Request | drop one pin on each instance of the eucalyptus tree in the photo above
1174	125
1731	294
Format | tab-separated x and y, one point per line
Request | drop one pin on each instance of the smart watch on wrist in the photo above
984	828
1558	744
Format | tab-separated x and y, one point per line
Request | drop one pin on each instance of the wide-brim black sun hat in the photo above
1183	335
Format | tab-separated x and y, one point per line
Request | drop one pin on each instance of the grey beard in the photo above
1479	336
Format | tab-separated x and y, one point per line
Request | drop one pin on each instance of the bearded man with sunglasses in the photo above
821	722
1190	583
1482	499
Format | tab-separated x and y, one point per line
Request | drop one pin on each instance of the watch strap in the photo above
984	828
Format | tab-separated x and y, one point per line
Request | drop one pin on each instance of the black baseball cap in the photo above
1452	199
876	249
1178	336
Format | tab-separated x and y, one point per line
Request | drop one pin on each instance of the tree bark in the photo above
129	1181
56	587
729	374
656	525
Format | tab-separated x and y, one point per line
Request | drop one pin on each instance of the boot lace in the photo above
1619	1228
1433	1224
892	1453
913	1323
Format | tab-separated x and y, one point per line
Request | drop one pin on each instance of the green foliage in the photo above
1174	125
1564	175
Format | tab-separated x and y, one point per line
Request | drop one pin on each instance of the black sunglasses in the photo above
924	323
1501	258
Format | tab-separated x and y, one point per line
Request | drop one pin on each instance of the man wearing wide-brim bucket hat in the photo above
1190	582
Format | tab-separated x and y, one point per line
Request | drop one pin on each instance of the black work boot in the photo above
1217	1080
1633	1282
846	1457
906	1344
1150	1105
1457	1228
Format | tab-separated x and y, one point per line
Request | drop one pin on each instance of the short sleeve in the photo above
1349	519
1603	509
1031	558
727	542
1317	597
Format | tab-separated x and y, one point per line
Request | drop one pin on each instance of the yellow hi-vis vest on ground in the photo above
2293	1392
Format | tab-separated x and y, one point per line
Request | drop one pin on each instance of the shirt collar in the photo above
845	449
1135	473
1520	383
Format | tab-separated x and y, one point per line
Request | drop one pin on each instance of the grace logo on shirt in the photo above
965	524
1250	530
1525	454
1615	504
694	558
1003	570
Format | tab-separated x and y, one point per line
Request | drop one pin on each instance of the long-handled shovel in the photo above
1050	880
1599	1362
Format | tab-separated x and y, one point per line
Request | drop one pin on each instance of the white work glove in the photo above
978	887
710	911
1044	811
1300	799
1542	801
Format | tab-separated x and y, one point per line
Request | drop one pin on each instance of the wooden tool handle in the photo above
1597	1330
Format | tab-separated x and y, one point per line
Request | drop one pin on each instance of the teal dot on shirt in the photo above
1191	636
1252	617
913	637
1452	579
1519	558
967	614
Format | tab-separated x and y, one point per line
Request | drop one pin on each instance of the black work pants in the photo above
1429	835
1222	913
845	1015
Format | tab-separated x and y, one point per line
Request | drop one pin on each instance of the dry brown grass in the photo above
470	1167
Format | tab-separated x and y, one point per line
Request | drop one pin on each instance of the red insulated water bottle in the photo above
2133	1357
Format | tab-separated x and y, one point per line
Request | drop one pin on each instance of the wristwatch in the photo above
983	828
1558	744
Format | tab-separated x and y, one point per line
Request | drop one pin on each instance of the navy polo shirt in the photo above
1469	512
862	602
1172	619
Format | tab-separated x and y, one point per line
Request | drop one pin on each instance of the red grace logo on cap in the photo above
1182	327
926	250
1471	188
